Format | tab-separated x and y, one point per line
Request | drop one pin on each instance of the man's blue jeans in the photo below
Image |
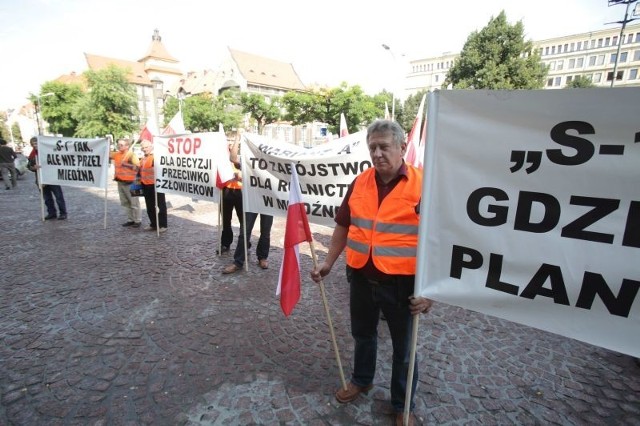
48	193
367	298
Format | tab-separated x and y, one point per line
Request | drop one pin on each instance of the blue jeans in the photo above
264	242
367	299
48	193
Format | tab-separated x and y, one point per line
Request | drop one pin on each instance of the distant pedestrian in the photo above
231	200
264	241
126	165
7	165
49	192
148	181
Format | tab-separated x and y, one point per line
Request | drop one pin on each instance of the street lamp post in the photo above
624	24
38	109
393	89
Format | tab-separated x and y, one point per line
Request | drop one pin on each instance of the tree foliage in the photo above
497	57
580	82
261	110
109	107
410	109
58	110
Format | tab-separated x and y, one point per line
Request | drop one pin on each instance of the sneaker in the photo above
351	392
231	269
62	216
50	216
129	223
163	230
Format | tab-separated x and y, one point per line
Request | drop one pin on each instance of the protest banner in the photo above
325	173
187	164
74	161
531	210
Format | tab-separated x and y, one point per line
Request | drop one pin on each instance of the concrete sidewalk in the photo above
117	326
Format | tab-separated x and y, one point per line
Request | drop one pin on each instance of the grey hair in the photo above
386	127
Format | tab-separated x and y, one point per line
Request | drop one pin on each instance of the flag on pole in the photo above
421	148
175	126
225	171
344	130
145	134
296	231
413	139
387	116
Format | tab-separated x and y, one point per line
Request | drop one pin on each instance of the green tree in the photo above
359	108
17	134
110	106
58	110
497	57
259	109
303	107
4	128
580	82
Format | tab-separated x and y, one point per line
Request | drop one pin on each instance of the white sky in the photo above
327	41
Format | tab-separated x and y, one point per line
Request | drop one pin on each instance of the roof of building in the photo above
157	50
263	71
137	74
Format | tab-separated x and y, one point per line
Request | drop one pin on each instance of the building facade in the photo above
592	55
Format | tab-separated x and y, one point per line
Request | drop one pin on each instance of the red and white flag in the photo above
145	134
175	126
344	130
413	139
296	231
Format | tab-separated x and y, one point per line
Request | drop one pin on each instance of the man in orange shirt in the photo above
148	181
126	165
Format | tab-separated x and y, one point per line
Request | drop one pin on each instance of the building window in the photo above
614	41
600	42
597	77
569	78
633	74
557	81
571	64
579	45
550	82
566	48
560	64
636	55
593	43
606	41
592	61
580	63
618	75
571	47
630	38
613	58
637	37
546	50
600	60
437	78
623	57
552	66
553	50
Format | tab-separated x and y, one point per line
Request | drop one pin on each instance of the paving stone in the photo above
118	326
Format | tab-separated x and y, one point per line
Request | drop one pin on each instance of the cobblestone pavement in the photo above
118	326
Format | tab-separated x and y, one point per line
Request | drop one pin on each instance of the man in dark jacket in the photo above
7	165
48	191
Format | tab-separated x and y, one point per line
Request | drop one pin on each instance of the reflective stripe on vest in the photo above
146	171
122	172
389	232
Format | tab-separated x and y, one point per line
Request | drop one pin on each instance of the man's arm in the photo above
338	243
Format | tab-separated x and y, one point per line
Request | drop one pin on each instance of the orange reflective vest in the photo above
146	171
234	183
389	232
125	166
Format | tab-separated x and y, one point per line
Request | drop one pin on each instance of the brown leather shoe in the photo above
400	417
263	263
351	393
231	269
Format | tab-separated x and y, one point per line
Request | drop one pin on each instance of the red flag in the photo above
175	126
413	139
145	134
296	231
344	130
